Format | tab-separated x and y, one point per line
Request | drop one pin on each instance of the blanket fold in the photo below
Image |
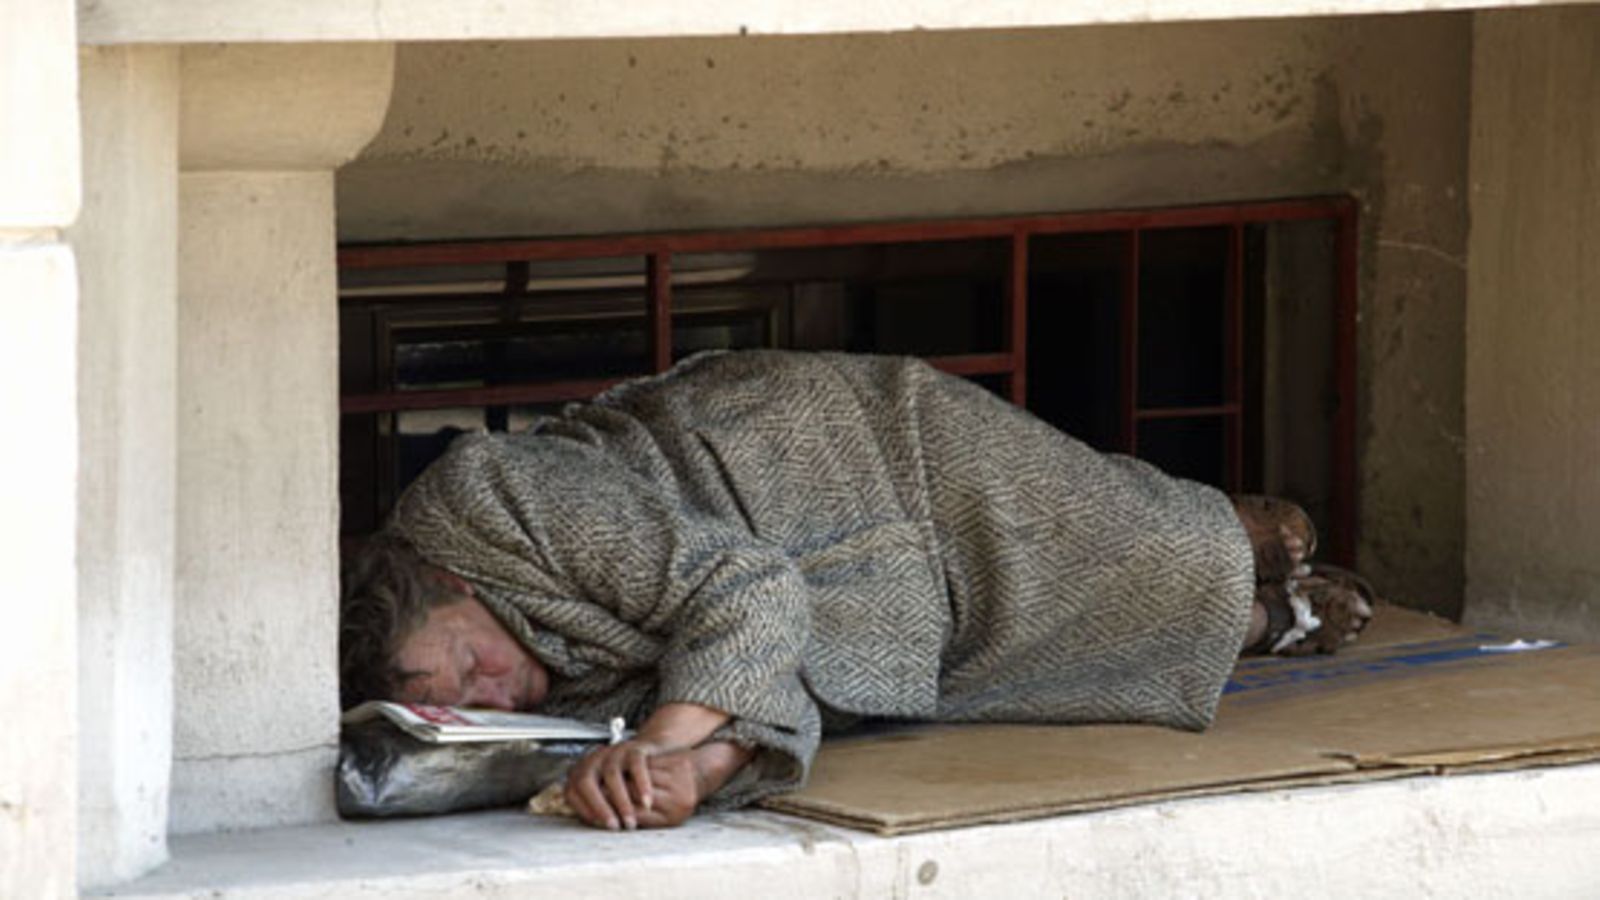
764	531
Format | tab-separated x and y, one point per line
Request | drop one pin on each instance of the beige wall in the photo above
39	196
1404	105
255	729
173	21
627	135
574	137
126	242
620	135
256	726
1533	330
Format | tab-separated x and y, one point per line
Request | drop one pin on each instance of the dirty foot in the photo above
1316	613
1281	535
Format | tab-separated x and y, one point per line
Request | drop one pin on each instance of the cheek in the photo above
501	655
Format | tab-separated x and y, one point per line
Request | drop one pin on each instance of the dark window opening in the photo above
1216	342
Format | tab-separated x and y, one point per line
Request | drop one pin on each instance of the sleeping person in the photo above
755	549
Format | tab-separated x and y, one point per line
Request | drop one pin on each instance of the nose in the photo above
489	693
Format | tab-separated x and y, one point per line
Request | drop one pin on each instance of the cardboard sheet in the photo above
1416	696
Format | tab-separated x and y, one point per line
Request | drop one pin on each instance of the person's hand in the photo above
677	788
665	795
611	786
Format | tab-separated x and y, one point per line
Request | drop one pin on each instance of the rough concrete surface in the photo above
1533	331
38	114
261	786
187	21
1524	834
38	670
39	196
257	566
931	102
1404	107
275	107
126	244
487	139
256	684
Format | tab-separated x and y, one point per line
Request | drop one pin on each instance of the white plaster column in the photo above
126	244
1533	324
39	193
262	129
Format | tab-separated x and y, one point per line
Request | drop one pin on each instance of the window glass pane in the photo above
995	384
420	281
1188	448
1182	290
421	435
1075	284
513	354
363	475
465	326
728	317
925	298
576	319
1291	369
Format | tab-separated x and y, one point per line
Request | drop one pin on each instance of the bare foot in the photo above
1282	536
1317	613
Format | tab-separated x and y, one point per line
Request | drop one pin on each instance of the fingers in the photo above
616	788
639	773
611	786
662	812
673	793
581	807
585	795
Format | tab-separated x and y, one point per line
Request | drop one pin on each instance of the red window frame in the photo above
1010	363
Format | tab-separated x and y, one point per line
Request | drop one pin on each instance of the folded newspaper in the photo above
454	724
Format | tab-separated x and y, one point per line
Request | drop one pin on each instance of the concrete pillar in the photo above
126	243
39	194
1403	108
1533	324
262	129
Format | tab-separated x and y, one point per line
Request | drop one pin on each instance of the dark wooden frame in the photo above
1010	363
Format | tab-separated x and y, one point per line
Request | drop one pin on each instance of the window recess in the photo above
1215	341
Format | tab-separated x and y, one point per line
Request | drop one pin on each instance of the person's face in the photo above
465	657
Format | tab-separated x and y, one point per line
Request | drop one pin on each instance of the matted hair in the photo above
386	592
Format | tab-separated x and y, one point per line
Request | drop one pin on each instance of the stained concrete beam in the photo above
1522	834
1533	324
188	21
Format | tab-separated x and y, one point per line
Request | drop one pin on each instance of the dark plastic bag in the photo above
385	772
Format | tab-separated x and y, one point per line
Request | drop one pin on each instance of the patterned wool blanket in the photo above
806	538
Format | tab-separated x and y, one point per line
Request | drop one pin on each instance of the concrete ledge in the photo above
1529	834
197	21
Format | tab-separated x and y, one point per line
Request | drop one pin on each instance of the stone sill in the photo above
200	21
1530	833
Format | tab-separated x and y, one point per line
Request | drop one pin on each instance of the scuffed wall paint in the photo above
632	135
1403	101
911	103
629	135
1533	329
